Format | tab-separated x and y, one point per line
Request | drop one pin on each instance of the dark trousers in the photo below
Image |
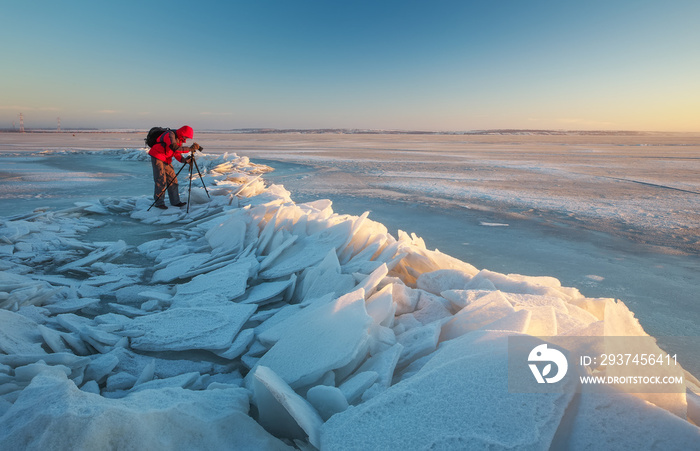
163	174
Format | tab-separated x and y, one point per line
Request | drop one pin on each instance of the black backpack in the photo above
153	135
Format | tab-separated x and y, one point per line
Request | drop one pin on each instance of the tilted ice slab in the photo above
331	337
180	329
18	334
341	335
278	404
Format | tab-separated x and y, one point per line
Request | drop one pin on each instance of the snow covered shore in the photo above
261	323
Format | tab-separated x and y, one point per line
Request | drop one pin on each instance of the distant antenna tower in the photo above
21	123
59	123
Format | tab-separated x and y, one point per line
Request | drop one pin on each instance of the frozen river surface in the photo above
614	216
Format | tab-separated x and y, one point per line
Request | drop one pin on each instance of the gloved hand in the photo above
194	146
187	160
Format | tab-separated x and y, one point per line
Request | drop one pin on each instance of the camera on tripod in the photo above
192	151
199	149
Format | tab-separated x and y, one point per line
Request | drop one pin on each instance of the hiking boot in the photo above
181	204
162	207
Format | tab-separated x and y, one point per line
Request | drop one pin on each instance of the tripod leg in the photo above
201	178
162	193
189	190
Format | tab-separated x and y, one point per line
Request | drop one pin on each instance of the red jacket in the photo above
167	147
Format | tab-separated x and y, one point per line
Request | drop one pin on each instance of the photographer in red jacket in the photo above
170	144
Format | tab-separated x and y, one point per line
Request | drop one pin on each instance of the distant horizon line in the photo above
268	130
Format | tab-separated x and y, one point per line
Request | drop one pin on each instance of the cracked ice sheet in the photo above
183	419
458	400
179	329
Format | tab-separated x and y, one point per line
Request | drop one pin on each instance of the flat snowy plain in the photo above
614	216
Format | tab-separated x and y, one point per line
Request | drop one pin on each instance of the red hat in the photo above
185	132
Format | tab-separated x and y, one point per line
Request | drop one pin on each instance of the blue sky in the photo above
432	65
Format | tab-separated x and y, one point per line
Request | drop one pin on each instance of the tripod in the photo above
192	163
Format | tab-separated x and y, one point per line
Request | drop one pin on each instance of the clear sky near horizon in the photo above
412	65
